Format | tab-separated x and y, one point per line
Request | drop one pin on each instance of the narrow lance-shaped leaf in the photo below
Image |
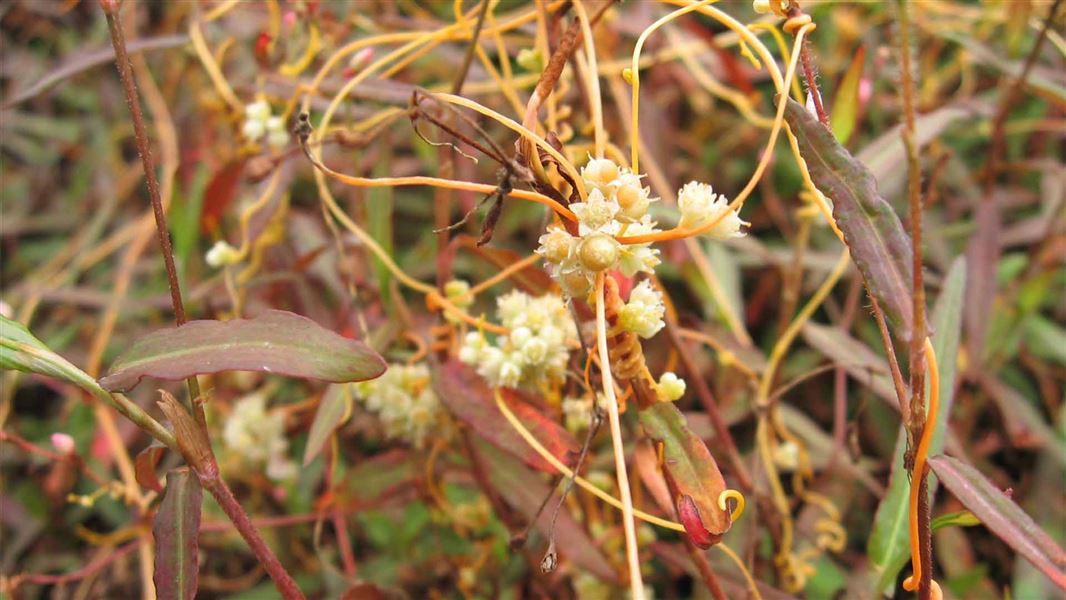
879	245
144	466
466	395
846	104
275	342
335	405
1002	516
176	531
20	350
889	544
691	473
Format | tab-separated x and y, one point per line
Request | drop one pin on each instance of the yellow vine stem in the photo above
779	39
634	78
636	583
501	275
567	472
920	456
740	565
713	87
593	78
431	293
220	10
762	433
738	202
213	72
450	184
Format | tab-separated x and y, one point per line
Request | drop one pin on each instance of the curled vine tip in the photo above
935	593
735	495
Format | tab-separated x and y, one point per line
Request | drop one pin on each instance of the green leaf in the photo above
332	410
879	245
845	111
1002	516
691	472
889	545
275	342
962	518
20	350
176	531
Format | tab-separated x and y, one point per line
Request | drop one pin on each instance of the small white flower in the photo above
670	387
595	213
221	254
639	258
599	172
405	403
257	111
632	197
258	437
556	245
577	413
511	306
456	291
699	205
534	351
253	129
643	314
277	138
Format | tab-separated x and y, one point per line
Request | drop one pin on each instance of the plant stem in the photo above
213	483
144	149
636	584
918	420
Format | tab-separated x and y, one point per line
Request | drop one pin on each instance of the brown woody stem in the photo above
144	149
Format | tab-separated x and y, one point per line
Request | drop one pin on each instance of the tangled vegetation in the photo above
556	298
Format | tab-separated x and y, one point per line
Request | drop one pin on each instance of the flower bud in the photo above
600	171
598	252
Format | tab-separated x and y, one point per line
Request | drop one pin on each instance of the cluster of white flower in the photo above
700	205
258	122
617	205
670	387
258	437
405	402
534	354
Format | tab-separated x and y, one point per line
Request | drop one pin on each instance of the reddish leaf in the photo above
879	245
176	531
145	464
471	401
219	193
691	473
275	342
524	490
1002	516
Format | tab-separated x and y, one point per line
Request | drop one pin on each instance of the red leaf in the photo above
218	194
691	473
145	464
176	531
471	401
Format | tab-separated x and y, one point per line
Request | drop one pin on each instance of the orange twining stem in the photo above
918	475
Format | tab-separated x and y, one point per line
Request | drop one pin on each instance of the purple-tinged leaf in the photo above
879	245
334	406
144	466
274	342
469	399
524	491
176	531
691	473
1002	516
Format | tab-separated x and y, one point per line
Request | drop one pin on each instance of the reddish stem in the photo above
213	483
